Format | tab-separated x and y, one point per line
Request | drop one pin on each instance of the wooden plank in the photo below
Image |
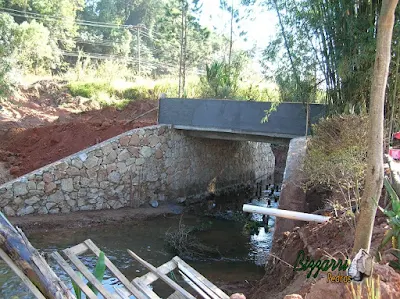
200	280
21	275
122	292
176	295
162	276
75	277
18	248
146	289
150	277
79	249
82	268
130	286
194	286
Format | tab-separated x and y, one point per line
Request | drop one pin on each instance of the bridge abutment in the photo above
129	170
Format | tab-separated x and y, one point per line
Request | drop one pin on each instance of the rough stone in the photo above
134	151
32	200
114	177
26	211
62	166
91	162
144	141
130	161
43	211
121	167
134	140
111	167
48	177
92	173
49	187
67	185
159	154
8	194
77	163
20	189
110	158
72	171
54	211
124	140
140	161
31	185
123	155
83	157
56	197
153	141
9	211
153	203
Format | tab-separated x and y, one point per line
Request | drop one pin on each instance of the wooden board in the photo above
201	281
127	284
150	277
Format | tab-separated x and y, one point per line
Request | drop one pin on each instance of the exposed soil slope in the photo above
44	124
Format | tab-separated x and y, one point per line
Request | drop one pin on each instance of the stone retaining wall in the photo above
133	168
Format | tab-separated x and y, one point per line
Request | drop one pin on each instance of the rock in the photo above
83	157
114	177
140	161
26	211
153	203
124	140
107	149
145	151
9	194
153	141
54	211
77	163
110	158
40	186
180	200
50	187
72	171
56	197
20	189
31	185
47	177
49	205
121	167
92	173
62	166
85	182
237	296
43	211
134	140
134	151
159	154
32	200
67	185
111	167
9	211
91	162
124	155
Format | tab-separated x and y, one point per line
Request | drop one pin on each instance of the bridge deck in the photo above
237	120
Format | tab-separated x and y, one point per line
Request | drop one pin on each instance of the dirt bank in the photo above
44	124
76	220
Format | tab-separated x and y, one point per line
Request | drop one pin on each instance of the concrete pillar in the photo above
292	195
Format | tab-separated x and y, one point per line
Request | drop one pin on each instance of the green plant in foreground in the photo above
392	211
373	288
98	272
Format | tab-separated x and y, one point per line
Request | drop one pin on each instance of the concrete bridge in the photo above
238	120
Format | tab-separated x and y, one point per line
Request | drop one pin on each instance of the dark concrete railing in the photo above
241	117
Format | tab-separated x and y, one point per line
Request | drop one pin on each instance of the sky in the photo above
259	31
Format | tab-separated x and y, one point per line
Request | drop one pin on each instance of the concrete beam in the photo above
232	135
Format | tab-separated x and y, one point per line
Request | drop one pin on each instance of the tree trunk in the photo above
14	243
374	175
231	39
182	46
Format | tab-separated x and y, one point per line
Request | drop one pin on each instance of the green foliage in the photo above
98	272
33	50
88	90
392	212
336	158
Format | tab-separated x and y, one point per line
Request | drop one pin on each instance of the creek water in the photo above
242	255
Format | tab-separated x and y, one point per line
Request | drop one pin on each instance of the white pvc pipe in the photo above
285	213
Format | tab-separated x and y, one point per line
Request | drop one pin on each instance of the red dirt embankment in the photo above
38	130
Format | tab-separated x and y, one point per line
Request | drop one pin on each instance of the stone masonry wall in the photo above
133	168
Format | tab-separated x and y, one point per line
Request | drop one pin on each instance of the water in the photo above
243	256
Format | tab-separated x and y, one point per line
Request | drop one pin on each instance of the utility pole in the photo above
138	49
138	56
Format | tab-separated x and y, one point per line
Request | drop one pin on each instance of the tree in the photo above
374	175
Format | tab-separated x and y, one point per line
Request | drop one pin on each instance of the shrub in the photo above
336	157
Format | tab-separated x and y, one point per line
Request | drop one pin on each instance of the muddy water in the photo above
243	256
